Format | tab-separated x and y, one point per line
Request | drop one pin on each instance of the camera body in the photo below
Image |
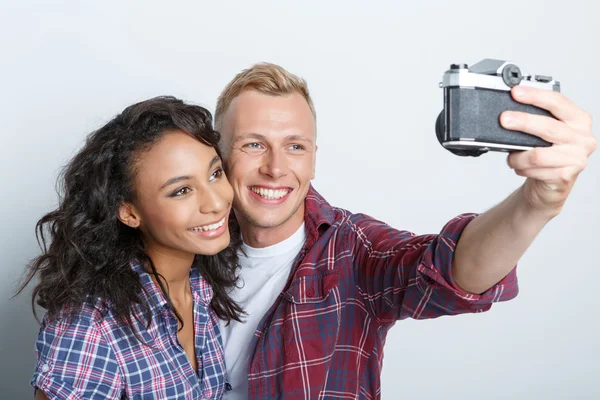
474	98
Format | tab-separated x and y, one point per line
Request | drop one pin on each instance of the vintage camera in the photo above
474	98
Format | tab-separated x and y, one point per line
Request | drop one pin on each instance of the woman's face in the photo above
183	197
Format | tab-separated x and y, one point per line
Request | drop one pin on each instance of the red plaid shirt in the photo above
355	277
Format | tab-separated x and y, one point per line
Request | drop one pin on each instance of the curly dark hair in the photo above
90	249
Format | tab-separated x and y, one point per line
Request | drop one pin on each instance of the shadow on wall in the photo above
18	327
18	332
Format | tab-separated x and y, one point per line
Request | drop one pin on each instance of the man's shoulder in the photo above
334	231
320	211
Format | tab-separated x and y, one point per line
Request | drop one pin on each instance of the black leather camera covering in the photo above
475	114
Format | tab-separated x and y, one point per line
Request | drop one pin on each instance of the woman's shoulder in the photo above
92	322
68	348
73	327
100	313
84	316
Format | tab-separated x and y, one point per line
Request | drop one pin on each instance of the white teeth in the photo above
210	227
270	193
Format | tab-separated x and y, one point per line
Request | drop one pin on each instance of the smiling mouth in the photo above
210	227
270	194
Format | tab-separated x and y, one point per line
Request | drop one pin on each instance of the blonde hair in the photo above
265	78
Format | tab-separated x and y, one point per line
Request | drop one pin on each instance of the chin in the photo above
211	252
214	248
270	221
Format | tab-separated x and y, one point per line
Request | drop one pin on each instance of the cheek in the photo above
226	191
304	168
163	217
240	166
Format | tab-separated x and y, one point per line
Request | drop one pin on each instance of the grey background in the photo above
68	67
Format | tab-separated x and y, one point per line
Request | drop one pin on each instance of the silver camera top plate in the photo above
494	74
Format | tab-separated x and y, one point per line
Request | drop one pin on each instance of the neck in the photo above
174	267
259	237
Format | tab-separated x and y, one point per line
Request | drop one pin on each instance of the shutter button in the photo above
310	293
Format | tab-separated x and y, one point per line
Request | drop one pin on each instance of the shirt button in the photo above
310	293
45	368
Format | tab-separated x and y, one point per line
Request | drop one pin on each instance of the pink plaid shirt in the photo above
323	337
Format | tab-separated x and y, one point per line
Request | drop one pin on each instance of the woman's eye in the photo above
181	192
217	174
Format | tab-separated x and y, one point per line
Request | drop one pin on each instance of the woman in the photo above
135	275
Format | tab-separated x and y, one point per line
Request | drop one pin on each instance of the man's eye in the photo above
297	147
253	145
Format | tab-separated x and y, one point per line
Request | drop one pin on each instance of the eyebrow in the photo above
177	179
258	136
215	160
249	136
297	138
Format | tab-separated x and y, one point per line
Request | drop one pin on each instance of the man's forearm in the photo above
492	244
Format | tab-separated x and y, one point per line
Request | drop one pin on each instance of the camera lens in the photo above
440	128
511	74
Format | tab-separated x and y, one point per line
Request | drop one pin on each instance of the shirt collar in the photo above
201	290
318	215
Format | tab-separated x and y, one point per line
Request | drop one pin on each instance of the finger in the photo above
549	129
549	157
561	107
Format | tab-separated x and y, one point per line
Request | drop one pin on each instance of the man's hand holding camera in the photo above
493	242
550	171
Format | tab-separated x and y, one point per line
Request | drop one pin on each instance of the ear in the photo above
129	215
314	162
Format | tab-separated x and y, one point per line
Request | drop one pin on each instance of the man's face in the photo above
269	149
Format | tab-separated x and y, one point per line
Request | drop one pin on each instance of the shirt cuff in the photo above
437	266
55	389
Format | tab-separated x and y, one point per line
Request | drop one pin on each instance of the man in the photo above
322	286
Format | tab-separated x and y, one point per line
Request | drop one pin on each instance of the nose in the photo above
212	200
274	165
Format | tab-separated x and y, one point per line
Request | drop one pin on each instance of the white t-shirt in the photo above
263	275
